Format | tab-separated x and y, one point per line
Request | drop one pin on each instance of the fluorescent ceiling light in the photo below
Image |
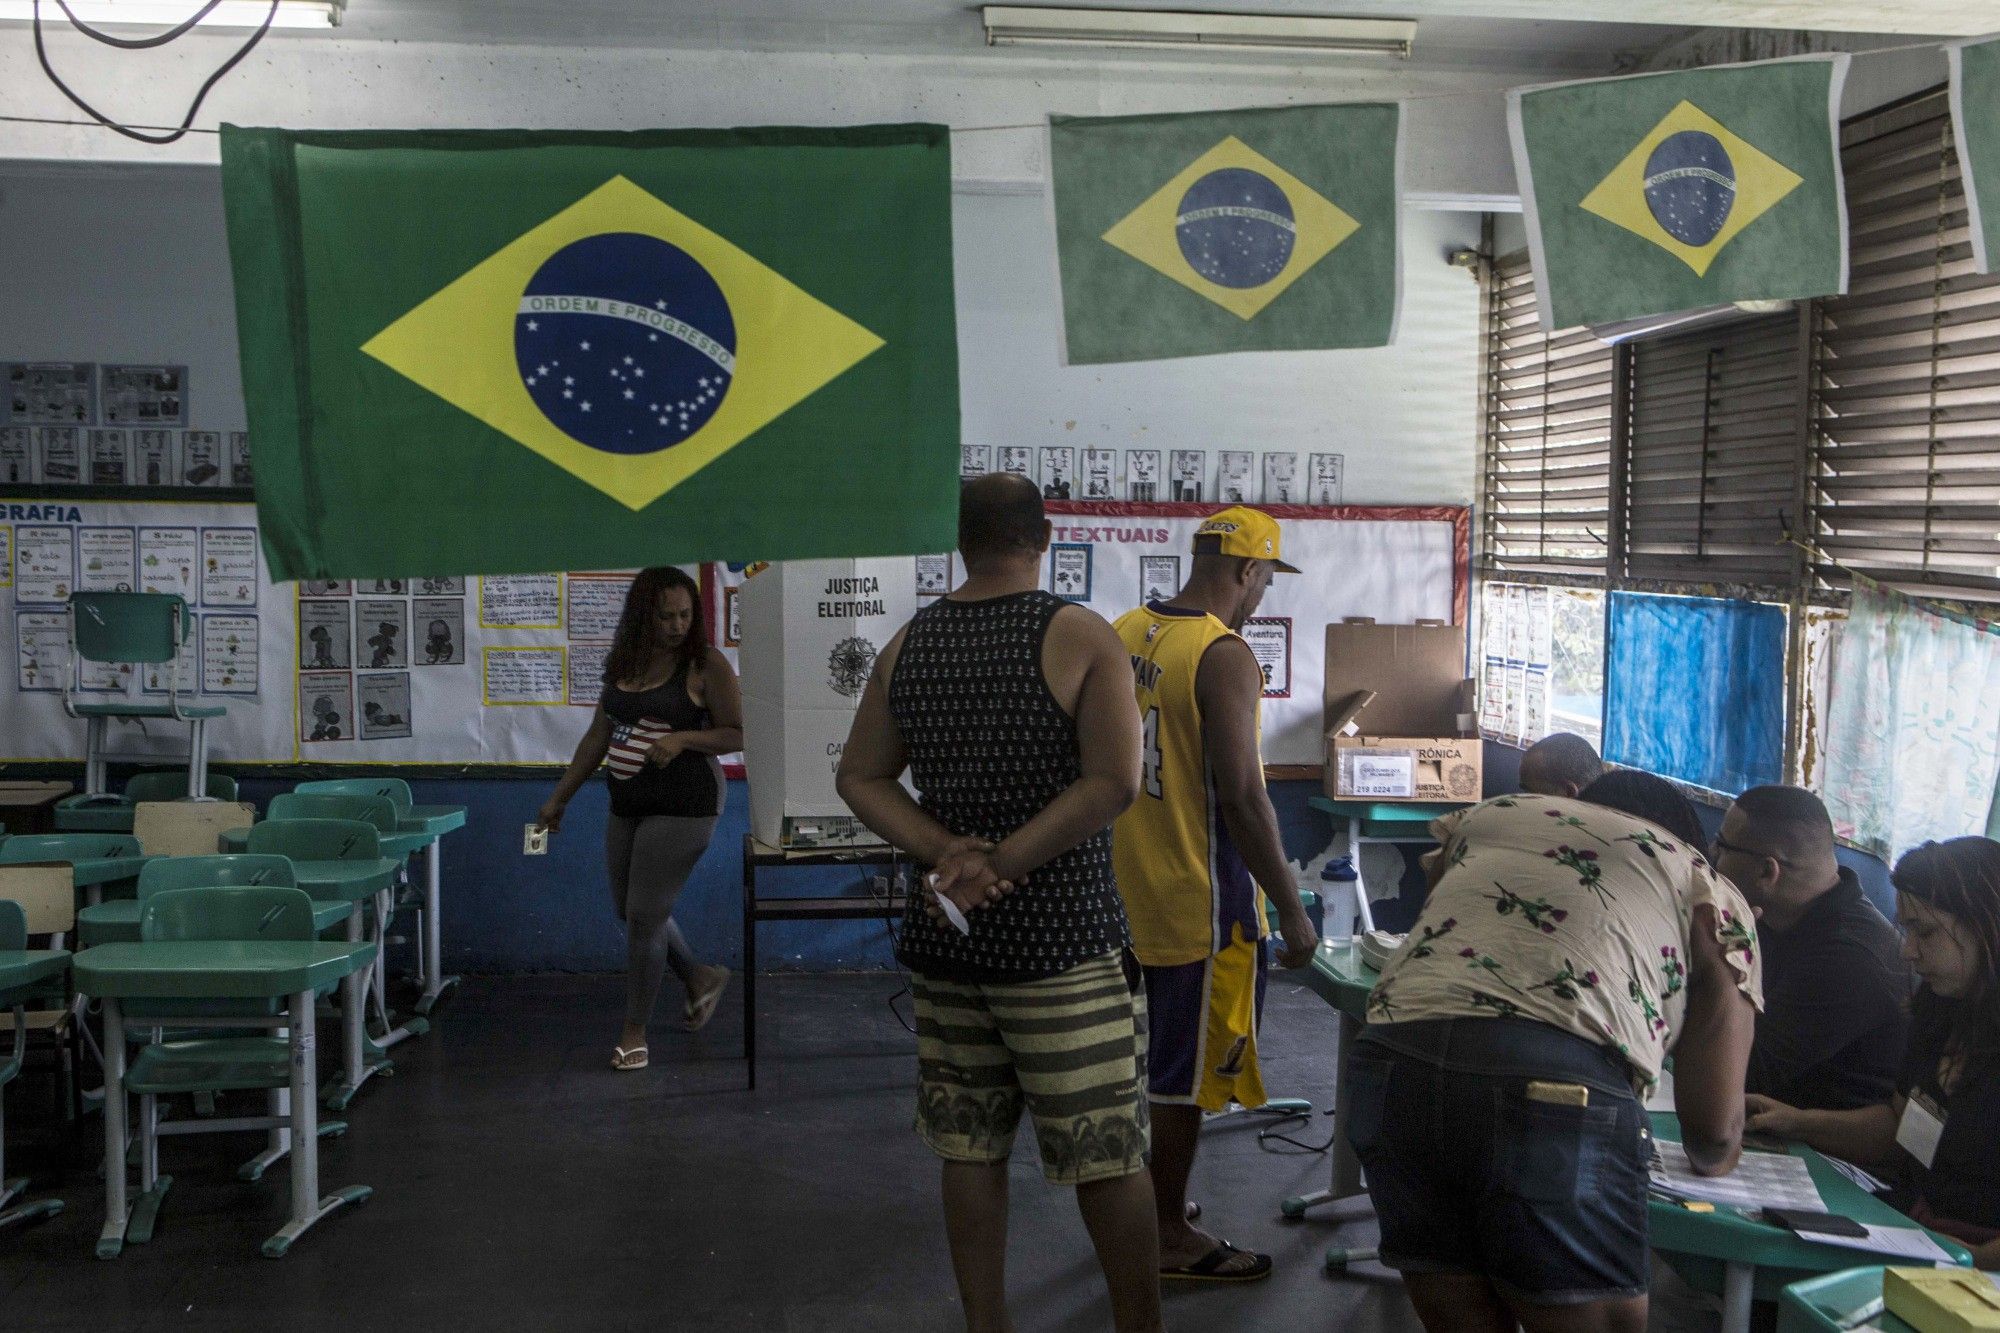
1015	25
169	13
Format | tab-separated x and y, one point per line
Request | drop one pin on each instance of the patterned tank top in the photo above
989	748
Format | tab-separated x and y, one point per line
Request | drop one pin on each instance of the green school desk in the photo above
399	844
221	969
1338	976
1725	1253
24	976
1833	1301
432	821
351	882
91	874
1378	822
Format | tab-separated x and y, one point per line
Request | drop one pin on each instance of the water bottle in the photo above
1338	881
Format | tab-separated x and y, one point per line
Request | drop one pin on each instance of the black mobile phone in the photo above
1808	1223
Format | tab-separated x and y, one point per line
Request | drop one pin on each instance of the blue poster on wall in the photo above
1695	689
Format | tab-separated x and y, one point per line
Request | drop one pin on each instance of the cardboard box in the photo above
1401	714
1431	770
811	633
1942	1300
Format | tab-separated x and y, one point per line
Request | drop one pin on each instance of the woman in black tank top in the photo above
670	707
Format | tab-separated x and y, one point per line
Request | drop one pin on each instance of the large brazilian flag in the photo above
1975	118
475	352
1678	191
1226	231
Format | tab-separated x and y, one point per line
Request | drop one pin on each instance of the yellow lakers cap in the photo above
1246	532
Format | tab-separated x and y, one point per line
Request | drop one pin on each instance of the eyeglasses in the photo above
1720	846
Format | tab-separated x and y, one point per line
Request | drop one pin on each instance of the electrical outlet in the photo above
534	840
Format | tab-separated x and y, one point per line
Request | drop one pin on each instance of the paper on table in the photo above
1897	1242
1761	1180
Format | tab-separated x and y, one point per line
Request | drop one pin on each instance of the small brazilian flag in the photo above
1975	119
474	352
1226	231
1678	191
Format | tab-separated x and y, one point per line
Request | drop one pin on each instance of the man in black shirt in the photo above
1835	985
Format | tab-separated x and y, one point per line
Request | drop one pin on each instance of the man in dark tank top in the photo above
1013	712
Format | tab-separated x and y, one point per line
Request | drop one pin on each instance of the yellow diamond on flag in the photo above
1691	186
624	342
1234	227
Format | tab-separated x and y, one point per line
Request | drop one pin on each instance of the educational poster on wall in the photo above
532	676
326	706
1188	466
153	458
1142	475
1017	459
167	560
144	395
41	641
107	560
1325	484
933	575
1517	657
1069	571
104	677
521	601
595	603
1159	577
44	563
325	636
6	556
1100	474
201	458
17	454
62	455
229	566
1232	476
325	588
183	674
441	622
445	587
1281	479
229	654
381	587
382	629
974	460
240	473
1058	472
49	393
385	704
110	457
1270	640
586	673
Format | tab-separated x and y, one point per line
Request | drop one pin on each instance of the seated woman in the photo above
1566	949
1938	1132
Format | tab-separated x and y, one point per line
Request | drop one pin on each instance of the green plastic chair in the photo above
14	935
106	813
395	790
112	922
376	810
315	839
26	847
206	1064
143	628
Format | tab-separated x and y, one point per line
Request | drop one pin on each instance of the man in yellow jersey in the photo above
1190	854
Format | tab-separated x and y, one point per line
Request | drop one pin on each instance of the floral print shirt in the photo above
1569	914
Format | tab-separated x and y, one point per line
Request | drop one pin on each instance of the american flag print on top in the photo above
629	743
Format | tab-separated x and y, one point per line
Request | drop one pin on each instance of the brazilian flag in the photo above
1975	118
474	352
1678	191
1226	231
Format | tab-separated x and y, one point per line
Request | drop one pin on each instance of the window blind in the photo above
1905	483
1549	413
1713	453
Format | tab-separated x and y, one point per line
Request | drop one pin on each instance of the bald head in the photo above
1560	765
1000	518
1777	845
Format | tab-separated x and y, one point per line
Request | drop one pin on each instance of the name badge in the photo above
1920	1129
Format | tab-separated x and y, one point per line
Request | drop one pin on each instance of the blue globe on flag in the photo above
625	342
1235	227
1690	186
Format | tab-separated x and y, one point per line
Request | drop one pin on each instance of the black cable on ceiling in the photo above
141	44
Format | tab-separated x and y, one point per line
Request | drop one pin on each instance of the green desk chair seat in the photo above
23	848
105	813
210	1064
344	840
427	900
14	938
113	922
141	628
380	812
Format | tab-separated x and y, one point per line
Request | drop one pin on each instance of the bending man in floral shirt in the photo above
1566	949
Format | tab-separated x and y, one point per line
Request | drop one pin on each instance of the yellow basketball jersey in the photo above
1184	884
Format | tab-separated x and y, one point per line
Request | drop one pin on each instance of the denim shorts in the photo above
1470	1175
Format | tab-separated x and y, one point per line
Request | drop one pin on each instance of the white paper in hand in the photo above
950	909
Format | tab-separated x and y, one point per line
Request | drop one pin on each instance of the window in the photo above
1548	438
1906	420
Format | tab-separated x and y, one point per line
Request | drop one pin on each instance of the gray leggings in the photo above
650	859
